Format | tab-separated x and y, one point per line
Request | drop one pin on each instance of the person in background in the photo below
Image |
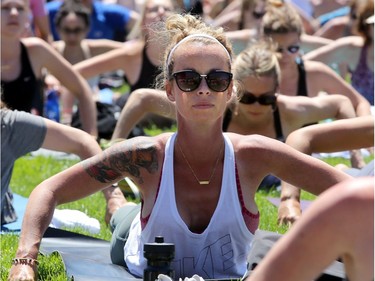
338	224
339	135
108	21
139	58
342	25
356	53
23	61
22	132
306	77
242	21
299	77
258	72
260	110
39	25
198	185
73	23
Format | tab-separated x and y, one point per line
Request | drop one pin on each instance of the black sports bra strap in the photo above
302	85
277	125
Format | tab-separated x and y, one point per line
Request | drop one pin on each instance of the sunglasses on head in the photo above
189	80
292	49
76	30
264	99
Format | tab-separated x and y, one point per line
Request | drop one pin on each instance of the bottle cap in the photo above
158	249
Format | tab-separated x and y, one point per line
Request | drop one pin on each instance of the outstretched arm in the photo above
45	56
136	158
348	134
329	229
141	102
330	82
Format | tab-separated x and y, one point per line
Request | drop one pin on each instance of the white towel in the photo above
74	218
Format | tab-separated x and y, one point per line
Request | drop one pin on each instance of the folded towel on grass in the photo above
61	218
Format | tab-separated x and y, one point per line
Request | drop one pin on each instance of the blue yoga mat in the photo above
19	204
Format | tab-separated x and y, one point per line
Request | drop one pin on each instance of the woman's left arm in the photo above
331	83
44	56
301	170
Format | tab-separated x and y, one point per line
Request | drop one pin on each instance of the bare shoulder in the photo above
253	145
139	158
349	41
57	44
318	74
316	67
351	199
358	190
100	44
286	103
141	144
133	47
35	44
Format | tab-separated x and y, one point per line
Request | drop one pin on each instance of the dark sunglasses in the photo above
189	80
258	15
265	99
76	30
292	49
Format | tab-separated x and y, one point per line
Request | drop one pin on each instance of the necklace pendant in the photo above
204	182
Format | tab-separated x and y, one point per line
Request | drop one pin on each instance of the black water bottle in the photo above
159	256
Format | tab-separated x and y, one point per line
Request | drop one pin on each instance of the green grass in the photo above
30	171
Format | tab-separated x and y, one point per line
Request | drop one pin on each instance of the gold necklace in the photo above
204	182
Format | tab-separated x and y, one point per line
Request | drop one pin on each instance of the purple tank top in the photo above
363	77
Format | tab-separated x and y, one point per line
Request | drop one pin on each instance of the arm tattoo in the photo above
126	157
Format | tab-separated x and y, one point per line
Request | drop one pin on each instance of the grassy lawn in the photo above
30	171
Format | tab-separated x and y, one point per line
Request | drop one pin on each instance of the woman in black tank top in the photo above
23	60
304	78
139	58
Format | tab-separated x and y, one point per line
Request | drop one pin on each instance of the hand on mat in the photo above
22	272
289	212
115	199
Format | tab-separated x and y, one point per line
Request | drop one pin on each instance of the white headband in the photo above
195	36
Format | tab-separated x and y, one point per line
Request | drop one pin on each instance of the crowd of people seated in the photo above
245	92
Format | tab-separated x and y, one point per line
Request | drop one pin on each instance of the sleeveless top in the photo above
26	91
93	82
302	84
363	77
148	73
220	251
276	123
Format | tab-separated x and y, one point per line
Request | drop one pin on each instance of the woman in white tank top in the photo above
193	183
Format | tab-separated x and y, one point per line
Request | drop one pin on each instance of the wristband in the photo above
25	261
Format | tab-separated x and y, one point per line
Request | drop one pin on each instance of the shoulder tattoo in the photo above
126	157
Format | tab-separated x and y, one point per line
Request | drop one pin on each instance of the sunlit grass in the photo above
30	171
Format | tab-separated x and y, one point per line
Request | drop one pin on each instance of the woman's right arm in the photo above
118	58
336	52
139	160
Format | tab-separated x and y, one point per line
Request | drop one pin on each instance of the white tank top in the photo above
219	252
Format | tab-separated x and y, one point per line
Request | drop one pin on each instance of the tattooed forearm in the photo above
127	157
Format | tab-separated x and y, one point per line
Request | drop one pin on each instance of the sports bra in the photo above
26	91
302	84
276	122
148	73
